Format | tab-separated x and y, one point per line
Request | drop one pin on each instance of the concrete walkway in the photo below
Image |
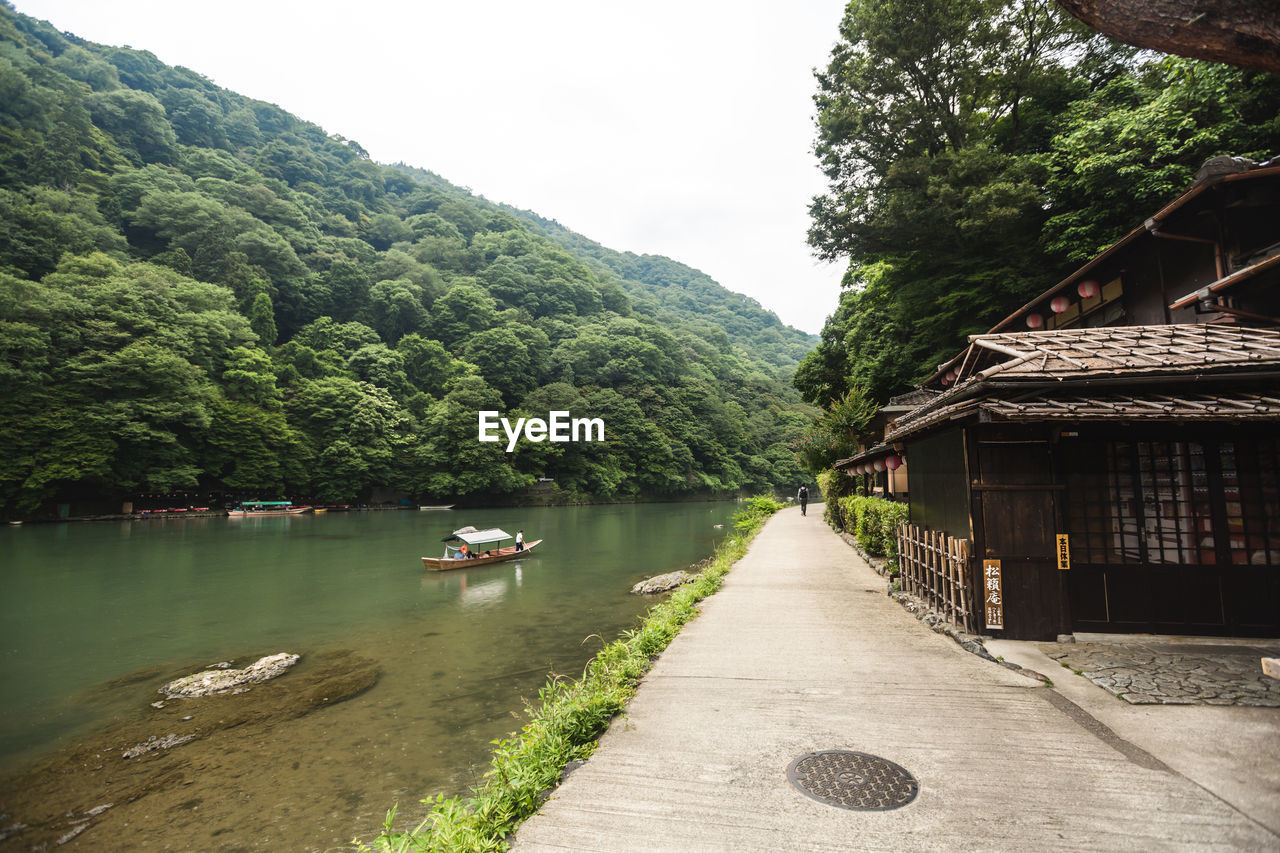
802	651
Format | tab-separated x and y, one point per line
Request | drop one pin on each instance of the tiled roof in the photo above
1086	355
1118	350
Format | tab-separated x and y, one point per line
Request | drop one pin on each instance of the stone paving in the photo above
1168	671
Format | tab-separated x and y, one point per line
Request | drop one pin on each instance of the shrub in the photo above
875	522
754	511
834	486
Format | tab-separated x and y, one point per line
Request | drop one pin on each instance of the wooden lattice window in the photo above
1174	502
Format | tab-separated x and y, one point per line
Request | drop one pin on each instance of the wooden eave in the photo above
1145	407
1121	408
1226	282
882	449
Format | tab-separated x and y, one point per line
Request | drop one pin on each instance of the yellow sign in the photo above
1064	553
992	594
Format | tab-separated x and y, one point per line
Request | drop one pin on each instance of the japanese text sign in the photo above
992	594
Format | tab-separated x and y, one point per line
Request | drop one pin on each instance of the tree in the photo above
262	319
1238	32
138	123
355	431
463	311
384	229
249	450
429	365
449	461
503	359
930	123
1133	144
396	308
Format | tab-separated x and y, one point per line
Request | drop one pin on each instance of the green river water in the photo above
92	614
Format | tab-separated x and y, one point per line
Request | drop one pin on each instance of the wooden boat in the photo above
482	543
441	506
253	509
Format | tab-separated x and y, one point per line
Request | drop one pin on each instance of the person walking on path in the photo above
803	497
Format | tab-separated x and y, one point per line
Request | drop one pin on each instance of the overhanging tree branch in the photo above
1245	33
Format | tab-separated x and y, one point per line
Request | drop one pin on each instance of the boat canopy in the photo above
475	537
266	503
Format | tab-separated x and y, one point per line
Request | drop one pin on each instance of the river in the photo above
95	616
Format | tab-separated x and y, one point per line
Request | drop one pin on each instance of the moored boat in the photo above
436	507
253	509
482	546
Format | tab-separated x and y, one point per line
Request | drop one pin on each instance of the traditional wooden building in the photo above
1107	458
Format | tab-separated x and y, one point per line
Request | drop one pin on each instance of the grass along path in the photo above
569	720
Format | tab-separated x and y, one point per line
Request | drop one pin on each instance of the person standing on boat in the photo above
519	540
803	497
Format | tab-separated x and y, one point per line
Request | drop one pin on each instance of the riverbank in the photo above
517	501
569	718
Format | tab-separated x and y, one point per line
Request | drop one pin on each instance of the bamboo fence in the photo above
934	567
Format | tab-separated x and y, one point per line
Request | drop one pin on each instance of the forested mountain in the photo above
673	292
201	291
976	152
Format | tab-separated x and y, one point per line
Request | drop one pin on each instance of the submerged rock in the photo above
176	762
213	681
661	583
153	742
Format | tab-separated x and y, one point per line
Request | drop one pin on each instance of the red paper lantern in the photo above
1087	289
1034	321
879	464
892	463
1059	304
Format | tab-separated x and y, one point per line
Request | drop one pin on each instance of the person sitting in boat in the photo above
520	540
464	552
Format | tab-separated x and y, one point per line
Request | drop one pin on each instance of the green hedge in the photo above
834	485
875	522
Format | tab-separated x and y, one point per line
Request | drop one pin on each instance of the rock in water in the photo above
153	742
661	583
214	681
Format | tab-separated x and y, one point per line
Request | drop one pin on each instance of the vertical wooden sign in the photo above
992	594
1064	553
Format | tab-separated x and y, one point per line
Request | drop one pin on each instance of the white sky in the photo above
673	127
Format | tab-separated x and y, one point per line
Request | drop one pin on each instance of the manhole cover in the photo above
853	780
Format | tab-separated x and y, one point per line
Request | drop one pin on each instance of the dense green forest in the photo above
976	152
202	292
675	293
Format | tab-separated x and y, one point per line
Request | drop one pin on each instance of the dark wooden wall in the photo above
939	491
1015	509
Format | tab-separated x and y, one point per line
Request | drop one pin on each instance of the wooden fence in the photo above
934	567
